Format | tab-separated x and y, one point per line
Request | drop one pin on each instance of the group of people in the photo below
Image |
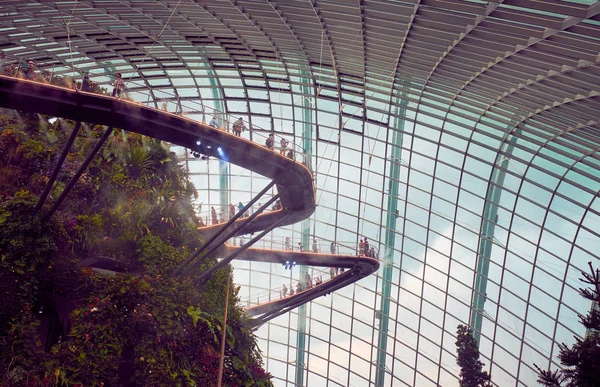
27	71
301	286
24	69
364	250
239	126
300	247
221	217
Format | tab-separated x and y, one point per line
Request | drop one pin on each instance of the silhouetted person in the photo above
85	82
270	143
118	86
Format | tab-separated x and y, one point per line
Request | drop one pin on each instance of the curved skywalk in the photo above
293	180
357	268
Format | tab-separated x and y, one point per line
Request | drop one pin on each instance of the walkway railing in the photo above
21	68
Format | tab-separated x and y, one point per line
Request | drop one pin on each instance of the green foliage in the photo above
88	231
471	373
581	362
33	150
133	206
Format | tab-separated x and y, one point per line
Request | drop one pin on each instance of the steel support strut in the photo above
225	227
230	233
59	163
486	238
390	238
79	172
307	135
204	276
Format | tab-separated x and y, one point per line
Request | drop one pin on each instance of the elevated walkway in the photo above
293	180
357	268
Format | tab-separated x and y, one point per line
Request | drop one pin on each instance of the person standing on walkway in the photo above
315	246
270	143
284	290
300	247
283	146
240	208
366	246
118	86
288	244
238	126
214	123
332	272
85	82
332	247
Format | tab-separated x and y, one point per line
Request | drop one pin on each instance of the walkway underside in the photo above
294	181
358	268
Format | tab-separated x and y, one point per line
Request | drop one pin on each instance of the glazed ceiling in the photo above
514	62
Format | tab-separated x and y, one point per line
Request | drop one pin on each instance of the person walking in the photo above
284	290
118	86
288	244
240	208
361	248
231	210
332	247
366	246
315	246
332	272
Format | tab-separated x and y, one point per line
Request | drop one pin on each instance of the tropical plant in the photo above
131	209
471	373
581	361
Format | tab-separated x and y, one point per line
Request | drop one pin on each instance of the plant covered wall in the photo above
62	323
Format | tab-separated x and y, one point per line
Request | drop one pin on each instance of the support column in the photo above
57	166
486	238
307	145
390	237
223	165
